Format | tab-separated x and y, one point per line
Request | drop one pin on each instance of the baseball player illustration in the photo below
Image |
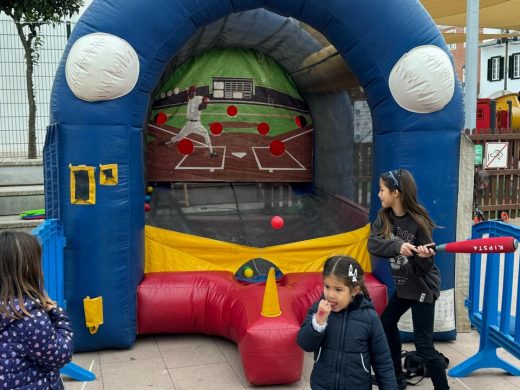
196	104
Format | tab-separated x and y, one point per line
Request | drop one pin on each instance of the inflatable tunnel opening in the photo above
268	145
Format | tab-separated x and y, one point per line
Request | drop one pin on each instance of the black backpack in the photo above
414	367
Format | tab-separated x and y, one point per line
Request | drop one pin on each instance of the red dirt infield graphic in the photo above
239	157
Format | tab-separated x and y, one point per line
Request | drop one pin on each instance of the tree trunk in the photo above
31	147
26	43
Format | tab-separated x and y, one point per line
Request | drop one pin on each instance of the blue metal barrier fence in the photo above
52	240
498	329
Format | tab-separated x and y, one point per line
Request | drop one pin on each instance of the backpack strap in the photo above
415	378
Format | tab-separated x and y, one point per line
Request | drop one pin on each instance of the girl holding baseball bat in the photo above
400	233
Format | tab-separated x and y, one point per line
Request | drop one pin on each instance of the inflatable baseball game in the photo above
192	114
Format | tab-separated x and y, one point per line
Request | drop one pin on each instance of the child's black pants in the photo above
422	318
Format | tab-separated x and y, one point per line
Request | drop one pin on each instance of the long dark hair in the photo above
21	275
403	181
347	270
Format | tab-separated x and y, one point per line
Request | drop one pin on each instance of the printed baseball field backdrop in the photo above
255	126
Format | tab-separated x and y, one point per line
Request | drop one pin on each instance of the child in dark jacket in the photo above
401	233
345	333
35	334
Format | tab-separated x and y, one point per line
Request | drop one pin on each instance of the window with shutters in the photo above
495	68
515	66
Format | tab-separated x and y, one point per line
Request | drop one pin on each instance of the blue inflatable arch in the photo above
105	242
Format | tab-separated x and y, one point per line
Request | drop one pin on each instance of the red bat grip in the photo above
480	245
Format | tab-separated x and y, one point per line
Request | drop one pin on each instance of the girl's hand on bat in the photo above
425	251
407	249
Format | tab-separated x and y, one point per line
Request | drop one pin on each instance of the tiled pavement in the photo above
182	362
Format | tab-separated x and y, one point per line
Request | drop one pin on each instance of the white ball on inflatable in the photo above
423	80
101	67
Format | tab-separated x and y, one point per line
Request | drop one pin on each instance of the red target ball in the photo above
216	128
263	128
300	121
160	118
277	222
185	146
277	147
232	110
147	207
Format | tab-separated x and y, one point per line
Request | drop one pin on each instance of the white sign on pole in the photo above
496	155
362	122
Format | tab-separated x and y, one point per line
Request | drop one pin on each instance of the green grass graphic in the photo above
280	120
231	62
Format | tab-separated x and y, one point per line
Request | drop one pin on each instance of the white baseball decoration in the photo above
101	67
423	80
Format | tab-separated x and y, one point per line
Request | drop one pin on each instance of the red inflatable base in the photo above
214	303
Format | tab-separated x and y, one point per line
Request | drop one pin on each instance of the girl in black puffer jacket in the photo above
345	333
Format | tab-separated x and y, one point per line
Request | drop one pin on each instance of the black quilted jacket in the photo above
344	353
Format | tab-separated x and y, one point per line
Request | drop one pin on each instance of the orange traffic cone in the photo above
271	304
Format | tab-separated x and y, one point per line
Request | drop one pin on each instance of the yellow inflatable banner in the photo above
170	251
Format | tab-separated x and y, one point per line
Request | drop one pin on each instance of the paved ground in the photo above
183	362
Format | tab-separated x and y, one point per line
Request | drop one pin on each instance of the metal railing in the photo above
497	328
14	103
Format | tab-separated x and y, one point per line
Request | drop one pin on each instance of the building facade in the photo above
500	67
